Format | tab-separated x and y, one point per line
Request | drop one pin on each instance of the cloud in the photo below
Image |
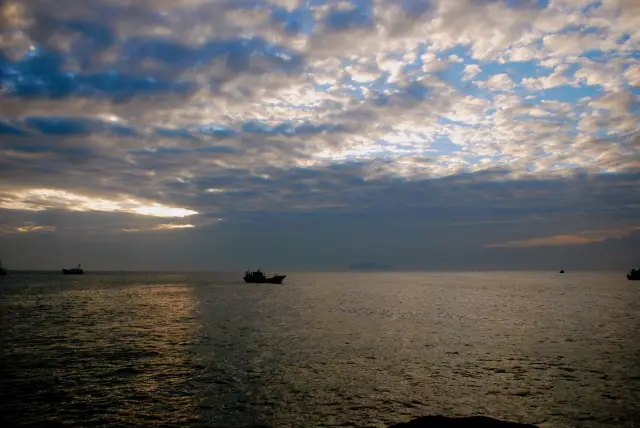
35	228
59	126
497	82
333	206
576	43
40	74
633	75
7	129
173	226
556	78
619	102
114	111
42	199
581	238
471	70
26	228
163	226
608	76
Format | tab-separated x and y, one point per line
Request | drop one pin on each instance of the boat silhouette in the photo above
3	271
258	277
73	271
634	275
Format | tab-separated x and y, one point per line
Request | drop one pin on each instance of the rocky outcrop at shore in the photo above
468	422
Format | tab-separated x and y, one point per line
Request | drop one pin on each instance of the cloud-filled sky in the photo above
311	134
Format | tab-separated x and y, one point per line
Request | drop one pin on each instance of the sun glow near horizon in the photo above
44	199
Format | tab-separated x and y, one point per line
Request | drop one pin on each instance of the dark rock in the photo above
468	422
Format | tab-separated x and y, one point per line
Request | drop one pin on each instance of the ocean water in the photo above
322	349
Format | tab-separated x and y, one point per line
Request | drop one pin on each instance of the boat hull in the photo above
3	273
633	278
71	272
273	280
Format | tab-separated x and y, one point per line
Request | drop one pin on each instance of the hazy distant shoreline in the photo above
239	271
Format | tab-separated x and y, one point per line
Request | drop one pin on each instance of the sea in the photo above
320	350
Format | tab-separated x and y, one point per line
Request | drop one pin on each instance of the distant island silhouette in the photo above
369	266
469	422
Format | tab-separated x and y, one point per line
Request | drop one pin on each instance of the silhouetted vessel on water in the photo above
258	277
3	271
634	275
562	271
73	271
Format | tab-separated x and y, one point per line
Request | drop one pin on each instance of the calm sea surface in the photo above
319	350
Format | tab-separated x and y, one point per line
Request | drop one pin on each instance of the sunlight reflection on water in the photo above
118	353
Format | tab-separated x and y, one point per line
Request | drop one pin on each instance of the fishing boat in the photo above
3	271
73	271
258	277
634	275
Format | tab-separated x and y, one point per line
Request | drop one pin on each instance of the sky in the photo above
311	134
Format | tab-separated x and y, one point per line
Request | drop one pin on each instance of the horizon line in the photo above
332	270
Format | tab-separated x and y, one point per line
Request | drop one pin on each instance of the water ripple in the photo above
320	350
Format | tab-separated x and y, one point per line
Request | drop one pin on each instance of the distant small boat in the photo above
562	271
3	271
73	271
258	277
634	275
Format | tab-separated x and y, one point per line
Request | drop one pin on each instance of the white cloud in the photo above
377	118
431	63
497	82
556	78
576	43
363	72
471	70
524	53
633	75
616	102
609	75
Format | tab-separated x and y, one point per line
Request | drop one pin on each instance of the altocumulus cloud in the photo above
332	129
